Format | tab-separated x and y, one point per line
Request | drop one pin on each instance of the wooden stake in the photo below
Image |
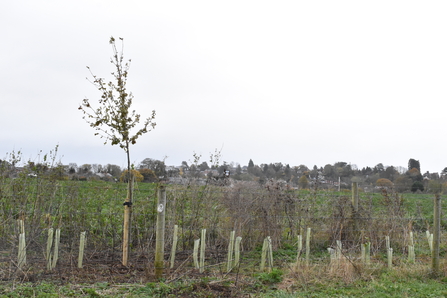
436	235
160	233
127	219
174	245
355	196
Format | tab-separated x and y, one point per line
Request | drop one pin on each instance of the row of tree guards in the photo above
52	248
267	253
234	249
234	246
434	239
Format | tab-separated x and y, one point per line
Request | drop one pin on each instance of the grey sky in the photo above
297	82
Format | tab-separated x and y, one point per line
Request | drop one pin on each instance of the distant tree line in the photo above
339	175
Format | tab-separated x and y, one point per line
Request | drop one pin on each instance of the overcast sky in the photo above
297	82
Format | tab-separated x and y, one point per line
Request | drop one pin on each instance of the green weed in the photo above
273	277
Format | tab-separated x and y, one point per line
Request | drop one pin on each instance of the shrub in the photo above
417	186
148	175
135	173
383	182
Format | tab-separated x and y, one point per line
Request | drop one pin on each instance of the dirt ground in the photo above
100	268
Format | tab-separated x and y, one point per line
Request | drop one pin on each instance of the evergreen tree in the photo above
414	164
251	164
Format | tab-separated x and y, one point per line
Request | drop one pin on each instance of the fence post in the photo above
308	246
355	211
127	218
160	233
436	235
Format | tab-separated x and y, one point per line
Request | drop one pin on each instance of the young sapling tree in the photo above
116	122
